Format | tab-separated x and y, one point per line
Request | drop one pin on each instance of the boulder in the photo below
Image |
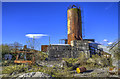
90	60
65	63
35	74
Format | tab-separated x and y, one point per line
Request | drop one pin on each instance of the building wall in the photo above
95	49
44	48
68	51
59	51
79	46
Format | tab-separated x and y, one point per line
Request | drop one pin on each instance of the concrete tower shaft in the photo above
74	24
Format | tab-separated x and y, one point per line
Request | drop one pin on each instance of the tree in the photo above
5	49
33	43
82	58
15	46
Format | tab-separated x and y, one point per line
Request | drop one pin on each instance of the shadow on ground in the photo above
87	71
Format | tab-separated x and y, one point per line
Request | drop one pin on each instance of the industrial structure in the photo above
25	55
74	24
75	44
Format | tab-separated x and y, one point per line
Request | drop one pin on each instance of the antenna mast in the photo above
49	40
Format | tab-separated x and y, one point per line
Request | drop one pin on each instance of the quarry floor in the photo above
93	72
103	72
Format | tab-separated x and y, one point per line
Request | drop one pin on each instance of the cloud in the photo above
35	35
96	41
110	43
105	40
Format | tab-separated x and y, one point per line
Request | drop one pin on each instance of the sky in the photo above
100	21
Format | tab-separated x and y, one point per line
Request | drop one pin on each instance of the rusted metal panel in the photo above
74	24
44	48
20	61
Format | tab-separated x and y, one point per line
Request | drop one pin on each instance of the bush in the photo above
82	58
60	72
53	71
40	56
15	68
97	61
70	60
7	62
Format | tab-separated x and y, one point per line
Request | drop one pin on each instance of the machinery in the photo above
25	56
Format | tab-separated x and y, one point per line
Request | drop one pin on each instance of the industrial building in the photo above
75	44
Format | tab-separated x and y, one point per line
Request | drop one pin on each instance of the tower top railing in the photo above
73	6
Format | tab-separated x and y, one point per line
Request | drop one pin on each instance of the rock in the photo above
49	65
115	62
90	60
65	63
39	63
35	74
13	73
95	73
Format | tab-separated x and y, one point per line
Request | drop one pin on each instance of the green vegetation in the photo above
95	62
99	61
56	71
5	49
116	52
10	49
81	59
71	60
15	68
53	71
40	56
115	49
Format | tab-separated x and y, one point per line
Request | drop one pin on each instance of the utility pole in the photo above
49	40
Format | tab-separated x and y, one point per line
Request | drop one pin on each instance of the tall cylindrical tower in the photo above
74	24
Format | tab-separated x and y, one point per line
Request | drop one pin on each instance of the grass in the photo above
14	68
55	71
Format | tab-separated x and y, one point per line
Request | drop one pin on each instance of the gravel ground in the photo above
0	69
33	74
96	73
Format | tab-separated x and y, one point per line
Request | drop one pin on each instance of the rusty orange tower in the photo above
74	24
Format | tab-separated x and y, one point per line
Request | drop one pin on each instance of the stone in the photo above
34	74
65	63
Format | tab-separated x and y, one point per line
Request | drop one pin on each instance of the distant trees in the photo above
5	49
10	48
15	46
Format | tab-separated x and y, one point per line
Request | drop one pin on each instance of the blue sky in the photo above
100	20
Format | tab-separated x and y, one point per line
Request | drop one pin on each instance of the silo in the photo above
74	24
